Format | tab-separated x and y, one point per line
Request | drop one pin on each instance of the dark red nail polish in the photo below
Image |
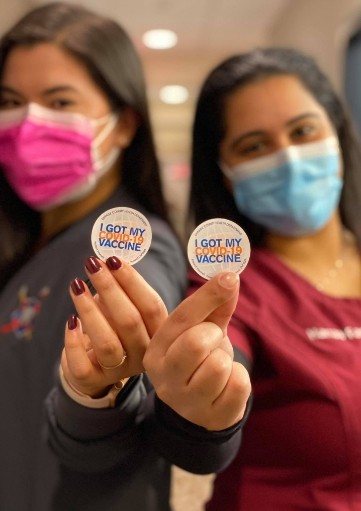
77	286
72	322
113	263
92	264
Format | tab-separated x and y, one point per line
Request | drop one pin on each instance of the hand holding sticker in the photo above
99	340
218	245
121	232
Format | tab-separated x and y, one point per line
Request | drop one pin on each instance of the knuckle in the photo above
86	310
180	316
202	338
242	381
81	374
156	308
108	348
106	282
131	320
195	345
219	363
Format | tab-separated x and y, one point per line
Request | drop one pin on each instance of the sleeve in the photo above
192	447
94	441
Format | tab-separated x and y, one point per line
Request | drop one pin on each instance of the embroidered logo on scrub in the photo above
22	318
348	333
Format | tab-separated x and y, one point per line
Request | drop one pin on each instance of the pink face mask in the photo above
50	157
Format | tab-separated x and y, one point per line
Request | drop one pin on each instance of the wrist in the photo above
106	401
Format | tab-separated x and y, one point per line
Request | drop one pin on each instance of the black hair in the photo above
209	196
106	50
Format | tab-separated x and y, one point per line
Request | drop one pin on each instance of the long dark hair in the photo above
209	196
113	63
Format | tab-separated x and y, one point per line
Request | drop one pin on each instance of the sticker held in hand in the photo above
121	232
218	245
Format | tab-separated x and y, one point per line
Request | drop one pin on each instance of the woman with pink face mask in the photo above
75	140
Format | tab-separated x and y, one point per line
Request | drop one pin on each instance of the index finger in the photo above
133	290
215	301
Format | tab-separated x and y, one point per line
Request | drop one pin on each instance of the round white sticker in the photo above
121	232
218	245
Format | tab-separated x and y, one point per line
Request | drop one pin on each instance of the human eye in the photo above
254	147
61	104
7	103
304	132
251	149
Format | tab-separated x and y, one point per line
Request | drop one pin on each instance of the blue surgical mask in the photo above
291	192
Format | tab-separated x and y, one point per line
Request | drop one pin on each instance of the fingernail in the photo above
113	263
228	280
77	286
72	322
92	264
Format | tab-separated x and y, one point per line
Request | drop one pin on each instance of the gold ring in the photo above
108	368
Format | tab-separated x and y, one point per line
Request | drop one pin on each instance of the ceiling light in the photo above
173	94
160	39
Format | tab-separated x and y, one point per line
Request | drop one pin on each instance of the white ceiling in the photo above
207	29
204	27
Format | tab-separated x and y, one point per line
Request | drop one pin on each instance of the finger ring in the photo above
107	368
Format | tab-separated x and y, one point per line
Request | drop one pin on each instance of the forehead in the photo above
43	64
269	103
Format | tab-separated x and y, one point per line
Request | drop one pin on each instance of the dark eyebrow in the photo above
302	116
47	92
4	88
58	88
260	132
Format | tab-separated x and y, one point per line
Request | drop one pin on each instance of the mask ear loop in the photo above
226	170
111	121
102	165
14	117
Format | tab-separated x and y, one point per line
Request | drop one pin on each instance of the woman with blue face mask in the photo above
274	151
75	141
